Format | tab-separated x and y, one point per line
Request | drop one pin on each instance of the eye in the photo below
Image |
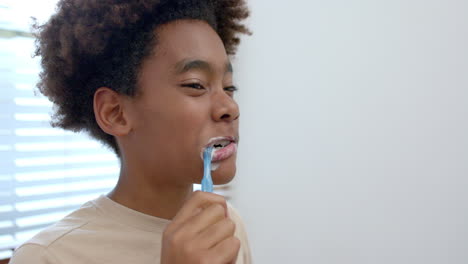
230	88
196	86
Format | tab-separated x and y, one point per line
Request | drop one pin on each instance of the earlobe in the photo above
109	111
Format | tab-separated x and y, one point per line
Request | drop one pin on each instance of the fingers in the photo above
201	232
205	219
198	200
220	231
225	251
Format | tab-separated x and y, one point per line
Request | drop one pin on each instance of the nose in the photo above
224	107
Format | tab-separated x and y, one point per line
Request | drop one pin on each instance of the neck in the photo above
163	200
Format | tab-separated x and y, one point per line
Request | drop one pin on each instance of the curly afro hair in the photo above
89	44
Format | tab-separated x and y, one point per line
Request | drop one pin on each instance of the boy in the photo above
152	80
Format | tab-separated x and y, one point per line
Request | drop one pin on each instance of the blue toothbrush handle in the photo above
207	182
207	186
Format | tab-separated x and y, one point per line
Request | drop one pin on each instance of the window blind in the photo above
45	172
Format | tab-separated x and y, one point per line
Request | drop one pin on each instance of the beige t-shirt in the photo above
103	231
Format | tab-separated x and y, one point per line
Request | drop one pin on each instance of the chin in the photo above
224	173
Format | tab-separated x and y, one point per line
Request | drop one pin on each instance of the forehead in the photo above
189	39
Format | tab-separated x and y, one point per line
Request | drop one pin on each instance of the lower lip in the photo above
224	153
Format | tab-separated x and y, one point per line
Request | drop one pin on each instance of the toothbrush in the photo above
207	182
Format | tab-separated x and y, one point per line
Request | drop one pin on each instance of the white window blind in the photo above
45	172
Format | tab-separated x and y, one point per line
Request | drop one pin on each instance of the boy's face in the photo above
184	101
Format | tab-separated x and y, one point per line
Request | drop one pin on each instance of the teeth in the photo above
221	144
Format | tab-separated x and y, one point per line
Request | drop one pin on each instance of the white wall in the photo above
354	131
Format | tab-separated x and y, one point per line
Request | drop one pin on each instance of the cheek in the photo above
183	127
175	129
189	118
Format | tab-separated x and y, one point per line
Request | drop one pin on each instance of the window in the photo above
45	172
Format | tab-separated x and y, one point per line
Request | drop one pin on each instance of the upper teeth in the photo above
221	144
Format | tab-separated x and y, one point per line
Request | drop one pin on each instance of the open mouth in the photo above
221	144
223	147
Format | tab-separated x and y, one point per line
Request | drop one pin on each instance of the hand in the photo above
201	232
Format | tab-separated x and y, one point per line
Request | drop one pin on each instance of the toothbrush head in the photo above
207	154
207	182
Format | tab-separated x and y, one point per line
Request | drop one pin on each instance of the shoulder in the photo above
241	233
236	217
32	253
233	211
68	224
38	247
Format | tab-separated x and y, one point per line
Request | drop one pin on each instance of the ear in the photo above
109	111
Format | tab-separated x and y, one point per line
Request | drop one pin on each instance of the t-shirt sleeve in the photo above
241	234
32	253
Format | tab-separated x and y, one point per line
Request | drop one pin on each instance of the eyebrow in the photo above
186	65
